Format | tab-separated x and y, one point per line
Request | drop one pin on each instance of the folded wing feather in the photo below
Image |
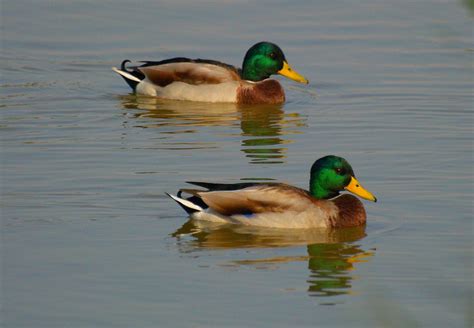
188	72
258	199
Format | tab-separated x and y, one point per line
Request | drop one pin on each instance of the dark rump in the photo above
134	72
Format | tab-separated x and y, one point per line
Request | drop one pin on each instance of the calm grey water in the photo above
90	240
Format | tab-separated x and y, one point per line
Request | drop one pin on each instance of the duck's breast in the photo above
350	212
264	92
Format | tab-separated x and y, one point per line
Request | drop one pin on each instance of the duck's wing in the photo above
224	186
277	198
190	71
147	63
195	193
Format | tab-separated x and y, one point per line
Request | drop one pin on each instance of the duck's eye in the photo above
272	55
340	171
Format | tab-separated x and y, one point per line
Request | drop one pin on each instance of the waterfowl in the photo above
281	205
212	81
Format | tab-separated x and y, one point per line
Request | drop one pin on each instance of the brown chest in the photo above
351	212
264	92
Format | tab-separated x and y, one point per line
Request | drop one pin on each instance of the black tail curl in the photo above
132	71
123	67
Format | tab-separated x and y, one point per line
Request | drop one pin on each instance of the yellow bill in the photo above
288	72
355	188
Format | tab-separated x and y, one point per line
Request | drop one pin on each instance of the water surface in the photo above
89	238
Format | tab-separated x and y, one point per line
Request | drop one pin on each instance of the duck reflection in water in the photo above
331	267
264	128
332	254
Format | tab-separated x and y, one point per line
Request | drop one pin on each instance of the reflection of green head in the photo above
331	266
262	60
329	175
329	269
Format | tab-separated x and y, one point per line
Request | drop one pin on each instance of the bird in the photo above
280	205
208	80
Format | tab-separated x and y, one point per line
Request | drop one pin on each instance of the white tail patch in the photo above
186	203
125	74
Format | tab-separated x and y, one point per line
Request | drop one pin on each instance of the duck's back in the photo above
190	80
266	205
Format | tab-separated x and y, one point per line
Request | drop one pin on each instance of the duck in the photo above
280	205
208	80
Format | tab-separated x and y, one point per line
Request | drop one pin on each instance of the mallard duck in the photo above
213	81
280	205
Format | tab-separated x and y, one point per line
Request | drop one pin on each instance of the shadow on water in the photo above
264	129
331	255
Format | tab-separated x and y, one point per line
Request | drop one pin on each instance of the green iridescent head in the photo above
332	174
264	59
